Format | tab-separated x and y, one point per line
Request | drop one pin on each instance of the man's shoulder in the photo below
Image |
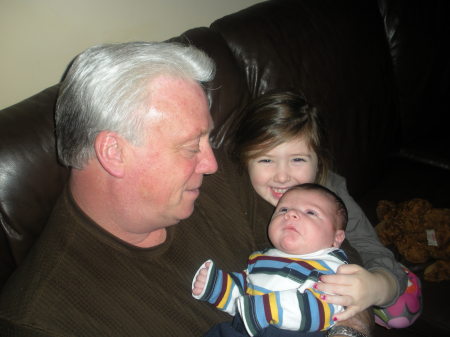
30	287
11	329
21	299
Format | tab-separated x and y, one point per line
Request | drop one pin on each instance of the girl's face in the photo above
290	163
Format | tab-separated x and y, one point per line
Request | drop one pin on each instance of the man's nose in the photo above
207	163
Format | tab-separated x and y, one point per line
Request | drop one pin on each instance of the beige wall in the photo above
38	38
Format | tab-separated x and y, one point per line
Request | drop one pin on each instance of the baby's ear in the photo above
338	238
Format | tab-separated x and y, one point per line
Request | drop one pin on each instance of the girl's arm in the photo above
358	289
381	281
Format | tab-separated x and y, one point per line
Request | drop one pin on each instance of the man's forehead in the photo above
177	94
166	84
184	111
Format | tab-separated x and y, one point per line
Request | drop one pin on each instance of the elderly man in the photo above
132	121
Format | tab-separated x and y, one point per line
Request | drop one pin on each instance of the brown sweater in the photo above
79	280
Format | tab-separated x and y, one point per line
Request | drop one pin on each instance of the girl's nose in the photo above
281	176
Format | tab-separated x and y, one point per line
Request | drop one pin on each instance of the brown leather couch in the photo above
377	70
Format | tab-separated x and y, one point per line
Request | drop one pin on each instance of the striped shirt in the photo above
276	289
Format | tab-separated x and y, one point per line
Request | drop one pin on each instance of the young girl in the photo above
281	142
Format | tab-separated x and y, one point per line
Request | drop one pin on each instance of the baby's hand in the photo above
200	280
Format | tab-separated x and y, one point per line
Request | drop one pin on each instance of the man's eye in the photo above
194	150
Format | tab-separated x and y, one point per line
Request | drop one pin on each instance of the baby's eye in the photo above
264	160
311	212
283	210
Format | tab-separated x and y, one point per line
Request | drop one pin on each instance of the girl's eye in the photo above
264	161
298	159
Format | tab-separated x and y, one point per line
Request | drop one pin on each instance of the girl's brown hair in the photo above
278	117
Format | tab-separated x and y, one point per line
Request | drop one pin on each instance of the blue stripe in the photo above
260	312
269	264
217	287
258	288
314	309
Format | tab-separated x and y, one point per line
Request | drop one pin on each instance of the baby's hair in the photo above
340	205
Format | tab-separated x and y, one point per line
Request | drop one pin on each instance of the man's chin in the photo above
186	212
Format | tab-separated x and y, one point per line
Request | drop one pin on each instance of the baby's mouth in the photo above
291	228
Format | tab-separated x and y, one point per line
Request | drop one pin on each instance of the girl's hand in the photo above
357	289
200	280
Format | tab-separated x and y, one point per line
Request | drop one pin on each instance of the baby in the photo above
278	286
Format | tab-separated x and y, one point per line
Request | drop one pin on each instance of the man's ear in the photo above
338	238
109	151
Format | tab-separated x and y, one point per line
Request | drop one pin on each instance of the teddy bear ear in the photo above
385	209
417	206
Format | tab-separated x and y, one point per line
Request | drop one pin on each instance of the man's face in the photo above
165	172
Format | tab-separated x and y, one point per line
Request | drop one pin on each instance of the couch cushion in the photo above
30	176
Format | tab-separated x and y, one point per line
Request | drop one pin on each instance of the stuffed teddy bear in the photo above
419	232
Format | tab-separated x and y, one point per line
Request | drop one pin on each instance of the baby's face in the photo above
305	221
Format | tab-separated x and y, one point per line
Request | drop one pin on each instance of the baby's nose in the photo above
292	214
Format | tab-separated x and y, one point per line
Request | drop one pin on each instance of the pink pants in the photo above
406	309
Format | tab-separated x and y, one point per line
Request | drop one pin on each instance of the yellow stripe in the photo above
314	264
251	291
273	308
255	255
326	309
227	294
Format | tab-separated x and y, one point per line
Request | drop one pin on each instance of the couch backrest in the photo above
30	177
337	54
333	51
